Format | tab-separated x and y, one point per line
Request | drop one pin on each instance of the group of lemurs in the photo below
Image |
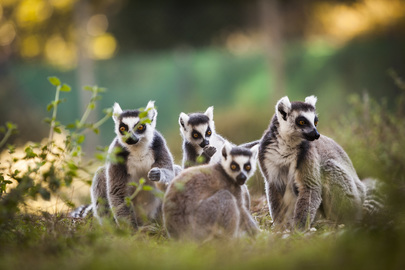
307	176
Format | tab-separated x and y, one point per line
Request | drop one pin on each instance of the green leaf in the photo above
128	201
65	88
29	153
11	125
71	125
81	138
45	194
49	107
88	88
54	80
11	149
146	121
48	120
72	166
147	188
92	106
142	181
143	114
57	130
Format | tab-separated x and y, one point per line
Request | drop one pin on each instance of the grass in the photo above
57	242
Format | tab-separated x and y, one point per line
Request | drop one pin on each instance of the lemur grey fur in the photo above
305	173
200	138
209	201
141	153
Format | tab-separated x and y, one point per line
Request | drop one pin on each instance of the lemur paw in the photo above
154	174
209	150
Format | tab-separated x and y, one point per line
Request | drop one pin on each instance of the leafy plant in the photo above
43	168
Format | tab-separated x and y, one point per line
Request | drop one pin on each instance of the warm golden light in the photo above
62	4
31	12
30	46
60	53
8	2
344	22
103	47
7	33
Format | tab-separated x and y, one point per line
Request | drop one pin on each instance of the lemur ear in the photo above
210	112
183	120
311	100
226	149
152	112
255	151
283	107
116	111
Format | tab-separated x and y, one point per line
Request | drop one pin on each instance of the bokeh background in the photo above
239	56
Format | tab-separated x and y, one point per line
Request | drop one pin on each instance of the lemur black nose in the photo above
313	135
204	143
132	140
241	179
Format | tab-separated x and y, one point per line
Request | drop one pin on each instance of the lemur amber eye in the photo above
302	122
316	123
195	135
209	132
233	167
123	129
248	167
141	127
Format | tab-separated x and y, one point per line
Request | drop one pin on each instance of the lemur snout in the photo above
313	135
204	143
132	140
241	179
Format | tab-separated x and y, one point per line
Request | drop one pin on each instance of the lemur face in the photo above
298	120
197	128
129	127
238	162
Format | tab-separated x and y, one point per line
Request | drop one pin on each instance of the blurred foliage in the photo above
372	133
43	168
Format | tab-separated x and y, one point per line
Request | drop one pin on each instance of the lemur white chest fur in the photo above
139	162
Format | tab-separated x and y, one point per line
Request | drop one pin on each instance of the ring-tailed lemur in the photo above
306	173
141	153
211	200
200	138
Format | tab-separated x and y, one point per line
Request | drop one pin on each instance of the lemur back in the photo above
210	201
139	152
307	174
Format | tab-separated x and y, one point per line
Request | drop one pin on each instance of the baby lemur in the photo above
141	152
210	201
305	173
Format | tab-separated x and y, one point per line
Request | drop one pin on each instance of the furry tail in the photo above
374	201
82	211
249	144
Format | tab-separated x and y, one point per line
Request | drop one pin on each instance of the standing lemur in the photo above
141	152
209	201
305	173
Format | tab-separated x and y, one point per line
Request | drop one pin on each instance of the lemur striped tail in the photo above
82	211
374	201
